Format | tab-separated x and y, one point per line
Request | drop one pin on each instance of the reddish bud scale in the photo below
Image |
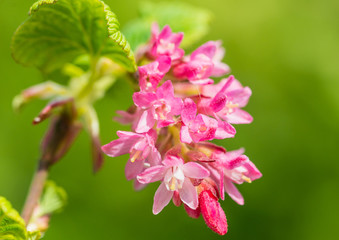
212	212
193	213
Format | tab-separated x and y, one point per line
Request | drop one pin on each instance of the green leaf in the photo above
12	226
34	235
53	199
181	17
58	31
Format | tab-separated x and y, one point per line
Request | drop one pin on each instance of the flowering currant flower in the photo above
203	63
160	106
175	176
232	167
165	43
151	74
220	68
201	128
226	104
141	148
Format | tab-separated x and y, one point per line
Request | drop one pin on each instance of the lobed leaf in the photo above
12	226
59	31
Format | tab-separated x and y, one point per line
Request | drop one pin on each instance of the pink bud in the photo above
212	212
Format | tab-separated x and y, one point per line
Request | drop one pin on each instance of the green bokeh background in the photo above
286	51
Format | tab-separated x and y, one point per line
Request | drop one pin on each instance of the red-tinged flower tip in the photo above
176	199
212	212
193	213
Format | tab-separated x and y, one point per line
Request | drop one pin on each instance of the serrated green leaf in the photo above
34	235
53	199
12	226
181	17
58	31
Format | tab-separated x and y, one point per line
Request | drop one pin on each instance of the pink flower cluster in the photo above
176	112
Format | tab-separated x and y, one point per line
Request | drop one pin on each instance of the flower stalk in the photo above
35	191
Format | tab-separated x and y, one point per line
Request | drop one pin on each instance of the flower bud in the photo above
212	212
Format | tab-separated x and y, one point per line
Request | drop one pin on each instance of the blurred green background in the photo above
286	51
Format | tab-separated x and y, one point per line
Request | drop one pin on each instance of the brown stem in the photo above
35	191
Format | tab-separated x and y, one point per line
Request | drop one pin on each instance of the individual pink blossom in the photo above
140	146
166	43
175	176
225	101
160	106
200	127
151	74
220	68
203	63
232	167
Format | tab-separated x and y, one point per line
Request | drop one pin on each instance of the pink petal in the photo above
188	194
215	175
195	170
155	29
120	146
218	102
133	169
152	174
238	117
208	49
220	69
234	85
144	99
240	96
177	54
253	172
224	130
146	121
165	33
164	63
176	38
129	135
236	162
233	192
189	111
185	136
166	90
154	157
161	198
125	117
172	160
176	105
138	186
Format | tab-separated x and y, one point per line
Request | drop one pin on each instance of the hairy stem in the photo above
35	191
